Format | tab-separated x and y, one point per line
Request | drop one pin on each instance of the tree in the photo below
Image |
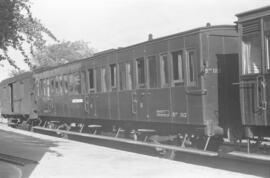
17	27
61	53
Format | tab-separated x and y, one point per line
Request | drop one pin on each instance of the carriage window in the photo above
267	48
128	76
178	67
164	73
103	80
70	81
77	83
140	73
251	54
37	87
61	89
190	68
91	73
52	86
122	79
83	82
48	87
152	69
113	76
65	87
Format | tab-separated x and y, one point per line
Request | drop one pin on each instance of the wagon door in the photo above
178	96
140	97
126	95
158	97
90	99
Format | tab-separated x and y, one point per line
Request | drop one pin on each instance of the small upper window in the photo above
140	72
164	73
113	76
152	71
178	67
191	68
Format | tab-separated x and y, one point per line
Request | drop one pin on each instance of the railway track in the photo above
252	164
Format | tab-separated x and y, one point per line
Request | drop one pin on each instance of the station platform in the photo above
41	156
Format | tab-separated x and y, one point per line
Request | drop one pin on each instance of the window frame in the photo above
141	85
152	57
113	86
161	68
181	74
189	82
92	89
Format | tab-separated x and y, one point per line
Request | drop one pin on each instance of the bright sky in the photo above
117	23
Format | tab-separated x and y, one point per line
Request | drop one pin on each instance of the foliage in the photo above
61	53
17	26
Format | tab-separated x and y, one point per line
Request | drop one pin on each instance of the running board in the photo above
247	157
169	147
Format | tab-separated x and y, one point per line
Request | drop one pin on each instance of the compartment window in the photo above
91	73
37	82
41	87
113	76
191	68
251	54
65	78
152	69
83	82
103	80
267	48
140	73
129	76
77	83
178	67
164	72
47	87
61	89
52	86
57	85
122	80
70	81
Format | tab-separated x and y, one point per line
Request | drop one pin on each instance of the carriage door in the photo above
140	97
90	99
178	96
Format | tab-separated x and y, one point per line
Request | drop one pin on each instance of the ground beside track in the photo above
59	158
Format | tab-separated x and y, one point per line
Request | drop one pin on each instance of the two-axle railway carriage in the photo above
17	96
254	28
179	83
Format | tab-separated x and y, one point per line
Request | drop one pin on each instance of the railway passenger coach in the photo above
254	28
179	83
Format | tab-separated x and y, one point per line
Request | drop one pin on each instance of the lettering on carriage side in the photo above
77	100
181	114
211	70
163	113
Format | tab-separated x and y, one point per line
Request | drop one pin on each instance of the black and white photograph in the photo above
134	89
